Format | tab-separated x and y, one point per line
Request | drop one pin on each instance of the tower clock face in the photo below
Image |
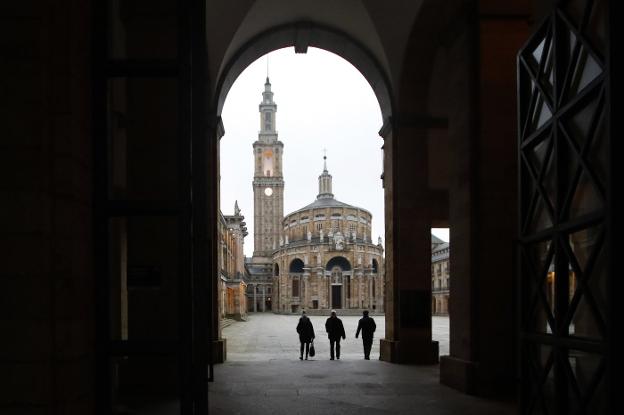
268	191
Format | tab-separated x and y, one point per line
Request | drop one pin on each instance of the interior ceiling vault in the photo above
231	25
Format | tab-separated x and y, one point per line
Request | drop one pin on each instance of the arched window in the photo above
295	287
375	266
276	270
296	265
340	261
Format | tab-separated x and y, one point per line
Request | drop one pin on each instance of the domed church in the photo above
326	258
318	257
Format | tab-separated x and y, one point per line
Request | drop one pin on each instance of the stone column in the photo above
304	297
263	298
329	292
483	206
408	244
255	308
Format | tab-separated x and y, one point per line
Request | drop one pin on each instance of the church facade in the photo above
326	258
318	257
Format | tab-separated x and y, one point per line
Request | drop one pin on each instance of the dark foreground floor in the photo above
263	375
338	387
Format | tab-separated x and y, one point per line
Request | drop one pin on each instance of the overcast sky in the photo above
323	102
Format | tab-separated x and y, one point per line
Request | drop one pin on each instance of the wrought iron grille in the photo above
563	147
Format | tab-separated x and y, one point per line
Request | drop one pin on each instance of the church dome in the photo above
326	217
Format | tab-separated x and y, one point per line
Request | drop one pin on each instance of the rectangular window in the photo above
319	226
295	288
267	120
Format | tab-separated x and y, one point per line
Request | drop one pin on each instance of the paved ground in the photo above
263	375
267	337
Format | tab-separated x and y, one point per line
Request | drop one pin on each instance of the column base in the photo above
395	351
474	378
459	374
219	351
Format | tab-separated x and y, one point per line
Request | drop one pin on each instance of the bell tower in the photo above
268	183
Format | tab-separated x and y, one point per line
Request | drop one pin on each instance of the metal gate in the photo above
151	222
564	182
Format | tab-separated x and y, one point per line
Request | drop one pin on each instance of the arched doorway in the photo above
338	270
303	35
295	286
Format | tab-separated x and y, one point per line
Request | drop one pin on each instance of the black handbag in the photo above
312	352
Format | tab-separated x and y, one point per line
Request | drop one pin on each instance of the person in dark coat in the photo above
306	334
335	330
367	326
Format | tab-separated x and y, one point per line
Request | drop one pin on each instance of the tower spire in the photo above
268	109
324	160
325	181
268	183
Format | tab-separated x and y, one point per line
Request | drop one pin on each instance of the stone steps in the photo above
226	322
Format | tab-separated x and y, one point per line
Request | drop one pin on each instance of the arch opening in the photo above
340	262
296	266
315	35
356	229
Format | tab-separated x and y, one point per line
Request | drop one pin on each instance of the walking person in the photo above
335	330
367	326
306	334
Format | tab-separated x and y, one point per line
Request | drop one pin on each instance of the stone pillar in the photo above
305	296
329	292
263	298
408	245
255	308
483	207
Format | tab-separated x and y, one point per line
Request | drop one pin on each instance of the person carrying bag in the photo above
306	335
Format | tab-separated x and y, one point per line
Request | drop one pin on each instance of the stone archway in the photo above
301	35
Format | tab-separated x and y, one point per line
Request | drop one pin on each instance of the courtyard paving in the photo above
263	375
267	336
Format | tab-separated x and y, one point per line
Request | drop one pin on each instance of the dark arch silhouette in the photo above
302	35
339	261
296	265
375	266
276	270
